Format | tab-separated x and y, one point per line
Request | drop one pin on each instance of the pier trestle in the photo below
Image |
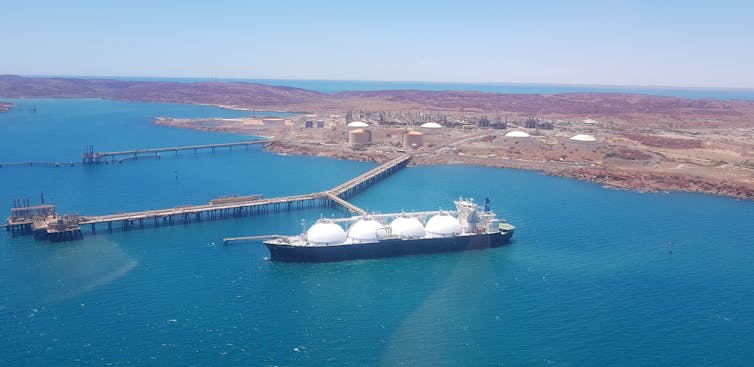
255	205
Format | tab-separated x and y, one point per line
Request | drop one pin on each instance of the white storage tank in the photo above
407	227
325	233
366	230
443	225
357	124
431	125
517	134
583	137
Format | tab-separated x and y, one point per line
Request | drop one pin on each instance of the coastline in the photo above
646	170
640	142
640	177
640	182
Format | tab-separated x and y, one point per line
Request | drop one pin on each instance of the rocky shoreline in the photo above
659	182
617	179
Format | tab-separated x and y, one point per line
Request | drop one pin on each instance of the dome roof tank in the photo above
443	225
583	137
517	134
366	230
325	233
407	227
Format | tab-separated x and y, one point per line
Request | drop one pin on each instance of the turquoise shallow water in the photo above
587	280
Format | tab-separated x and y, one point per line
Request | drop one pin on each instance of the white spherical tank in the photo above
366	230
443	225
407	227
325	233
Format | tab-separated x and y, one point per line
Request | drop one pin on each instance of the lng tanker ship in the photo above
385	235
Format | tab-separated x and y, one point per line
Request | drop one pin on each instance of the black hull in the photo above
385	248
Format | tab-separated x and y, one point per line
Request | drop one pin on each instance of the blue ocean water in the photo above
588	279
335	86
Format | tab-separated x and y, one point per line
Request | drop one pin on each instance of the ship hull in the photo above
385	248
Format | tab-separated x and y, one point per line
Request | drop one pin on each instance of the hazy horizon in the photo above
623	43
293	79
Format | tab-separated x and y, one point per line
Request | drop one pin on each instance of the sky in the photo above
615	42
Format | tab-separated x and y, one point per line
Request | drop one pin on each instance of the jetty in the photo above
361	182
45	223
91	157
347	205
36	164
189	213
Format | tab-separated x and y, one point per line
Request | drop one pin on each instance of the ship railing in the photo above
378	217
